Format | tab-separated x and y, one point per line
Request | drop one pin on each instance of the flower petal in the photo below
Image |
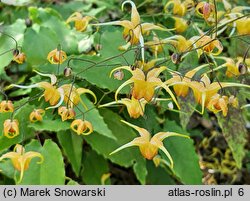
143	132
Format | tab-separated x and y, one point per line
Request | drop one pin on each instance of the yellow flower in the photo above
19	57
6	106
66	113
243	26
146	66
36	115
56	56
180	24
51	93
177	80
179	42
149	145
144	85
218	103
205	9
20	159
134	29
81	22
208	45
81	127
179	8
10	128
72	95
135	107
205	90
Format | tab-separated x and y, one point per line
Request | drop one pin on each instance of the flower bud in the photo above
67	71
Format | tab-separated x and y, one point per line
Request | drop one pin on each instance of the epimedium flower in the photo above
134	29
6	106
180	24
19	57
51	93
207	44
11	128
148	145
81	22
219	103
179	8
21	159
156	45
205	90
180	89
144	85
81	127
243	26
56	56
205	9
72	95
66	113
134	107
36	115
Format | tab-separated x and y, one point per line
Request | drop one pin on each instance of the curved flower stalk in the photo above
72	95
134	30
51	94
36	115
134	107
11	128
81	127
144	85
6	106
21	159
182	89
81	22
149	145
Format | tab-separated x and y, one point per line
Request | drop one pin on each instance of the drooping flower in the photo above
156	46
20	159
179	42
6	106
205	9
134	107
51	93
179	8
72	95
243	26
218	103
207	44
81	22
19	57
144	85
149	145
180	24
81	127
11	128
36	115
66	113
56	56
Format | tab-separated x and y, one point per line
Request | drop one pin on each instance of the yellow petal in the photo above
143	132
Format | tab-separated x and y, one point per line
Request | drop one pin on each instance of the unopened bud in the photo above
242	68
98	47
16	52
119	75
67	71
175	58
28	22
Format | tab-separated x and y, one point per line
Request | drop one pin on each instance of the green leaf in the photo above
235	133
124	134
182	150
97	164
140	170
15	30
50	125
48	17
22	115
72	147
157	175
51	171
38	43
